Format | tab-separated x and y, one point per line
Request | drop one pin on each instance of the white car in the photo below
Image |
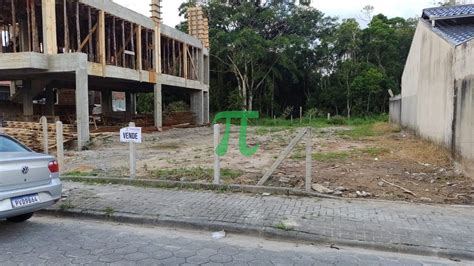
29	181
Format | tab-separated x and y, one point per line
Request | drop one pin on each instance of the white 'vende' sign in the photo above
131	134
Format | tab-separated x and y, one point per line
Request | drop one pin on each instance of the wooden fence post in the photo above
301	114
217	164
282	157
60	145
133	161
44	125
309	160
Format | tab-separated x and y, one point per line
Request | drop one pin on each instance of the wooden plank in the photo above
28	22
127	42
34	27
14	24
156	48
102	53
147	55
88	37
50	45
139	48
192	65
123	43
309	161
185	60
114	37
78	26
282	156
132	41
109	45
66	27
174	57
90	51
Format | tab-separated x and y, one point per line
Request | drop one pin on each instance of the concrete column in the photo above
197	106
106	102
82	108
201	66
133	104
27	99
12	88
128	101
206	108
158	106
206	70
129	105
50	101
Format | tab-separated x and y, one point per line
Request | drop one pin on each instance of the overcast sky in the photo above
340	8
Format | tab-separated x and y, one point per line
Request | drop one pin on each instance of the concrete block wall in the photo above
437	100
427	87
464	120
395	107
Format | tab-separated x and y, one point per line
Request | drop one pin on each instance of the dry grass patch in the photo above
418	150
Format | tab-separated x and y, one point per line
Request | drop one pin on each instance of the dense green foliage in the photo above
278	57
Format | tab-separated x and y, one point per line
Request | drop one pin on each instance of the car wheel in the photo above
20	218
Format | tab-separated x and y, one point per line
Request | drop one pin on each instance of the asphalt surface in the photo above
48	240
421	229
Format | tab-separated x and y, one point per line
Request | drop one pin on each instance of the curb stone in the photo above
263	231
196	185
166	184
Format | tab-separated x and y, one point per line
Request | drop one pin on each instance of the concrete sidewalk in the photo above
446	231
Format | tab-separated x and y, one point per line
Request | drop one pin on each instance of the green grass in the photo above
79	173
287	123
262	131
283	226
66	205
331	156
195	173
374	151
109	211
319	122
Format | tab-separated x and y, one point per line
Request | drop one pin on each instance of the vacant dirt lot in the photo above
370	161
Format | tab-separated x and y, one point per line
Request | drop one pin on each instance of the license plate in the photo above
24	201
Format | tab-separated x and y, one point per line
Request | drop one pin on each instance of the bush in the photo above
177	107
337	120
145	102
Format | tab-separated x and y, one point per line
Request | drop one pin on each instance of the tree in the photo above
269	56
347	48
256	43
369	82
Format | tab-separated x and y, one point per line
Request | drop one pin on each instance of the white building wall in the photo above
427	86
464	130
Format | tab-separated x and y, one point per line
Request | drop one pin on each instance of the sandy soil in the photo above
392	165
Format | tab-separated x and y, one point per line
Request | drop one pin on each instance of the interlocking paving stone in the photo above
431	226
71	236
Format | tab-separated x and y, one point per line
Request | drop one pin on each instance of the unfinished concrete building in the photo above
92	48
437	99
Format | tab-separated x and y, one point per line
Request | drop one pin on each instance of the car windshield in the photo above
9	145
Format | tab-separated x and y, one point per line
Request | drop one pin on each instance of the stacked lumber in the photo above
198	24
31	134
179	118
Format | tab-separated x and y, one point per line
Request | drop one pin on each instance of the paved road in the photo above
55	241
404	226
